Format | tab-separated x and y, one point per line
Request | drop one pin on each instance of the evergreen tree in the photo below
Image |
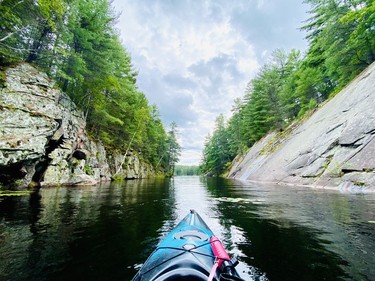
215	154
341	35
236	130
173	150
75	42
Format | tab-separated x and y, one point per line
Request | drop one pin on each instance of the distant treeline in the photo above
186	170
76	44
341	37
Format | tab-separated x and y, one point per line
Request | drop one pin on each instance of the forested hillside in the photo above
76	44
341	36
182	170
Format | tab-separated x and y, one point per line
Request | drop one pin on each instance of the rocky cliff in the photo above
334	148
43	139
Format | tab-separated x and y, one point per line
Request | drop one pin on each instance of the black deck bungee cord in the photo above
180	254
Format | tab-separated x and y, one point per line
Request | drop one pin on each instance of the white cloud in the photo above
195	57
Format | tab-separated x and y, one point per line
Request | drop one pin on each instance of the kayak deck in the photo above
184	254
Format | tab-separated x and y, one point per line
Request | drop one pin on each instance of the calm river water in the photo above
105	232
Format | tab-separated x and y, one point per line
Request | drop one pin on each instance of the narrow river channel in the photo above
105	232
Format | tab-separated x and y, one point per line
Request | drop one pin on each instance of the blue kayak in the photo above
189	252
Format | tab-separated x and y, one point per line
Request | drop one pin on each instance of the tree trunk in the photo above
37	45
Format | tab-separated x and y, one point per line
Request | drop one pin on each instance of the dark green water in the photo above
106	232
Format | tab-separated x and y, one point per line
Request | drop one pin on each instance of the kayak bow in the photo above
189	252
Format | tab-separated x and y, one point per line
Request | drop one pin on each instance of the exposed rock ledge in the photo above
334	148
43	139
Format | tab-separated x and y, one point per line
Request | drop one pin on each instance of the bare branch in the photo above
15	49
19	2
10	34
7	36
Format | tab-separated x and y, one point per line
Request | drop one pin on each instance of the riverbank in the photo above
332	149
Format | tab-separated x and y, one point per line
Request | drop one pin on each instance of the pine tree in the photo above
173	150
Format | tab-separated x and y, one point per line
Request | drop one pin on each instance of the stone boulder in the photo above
129	166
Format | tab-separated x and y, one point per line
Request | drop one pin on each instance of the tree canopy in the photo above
341	37
76	43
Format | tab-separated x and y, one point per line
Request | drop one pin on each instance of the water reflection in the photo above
301	234
105	232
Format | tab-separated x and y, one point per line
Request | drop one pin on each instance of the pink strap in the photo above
213	270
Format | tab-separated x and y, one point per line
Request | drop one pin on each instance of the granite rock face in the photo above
334	148
43	138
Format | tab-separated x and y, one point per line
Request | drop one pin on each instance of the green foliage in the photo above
215	154
118	178
8	193
342	43
173	150
76	44
2	78
181	170
88	170
341	35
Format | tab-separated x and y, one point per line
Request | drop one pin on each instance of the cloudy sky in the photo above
194	57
